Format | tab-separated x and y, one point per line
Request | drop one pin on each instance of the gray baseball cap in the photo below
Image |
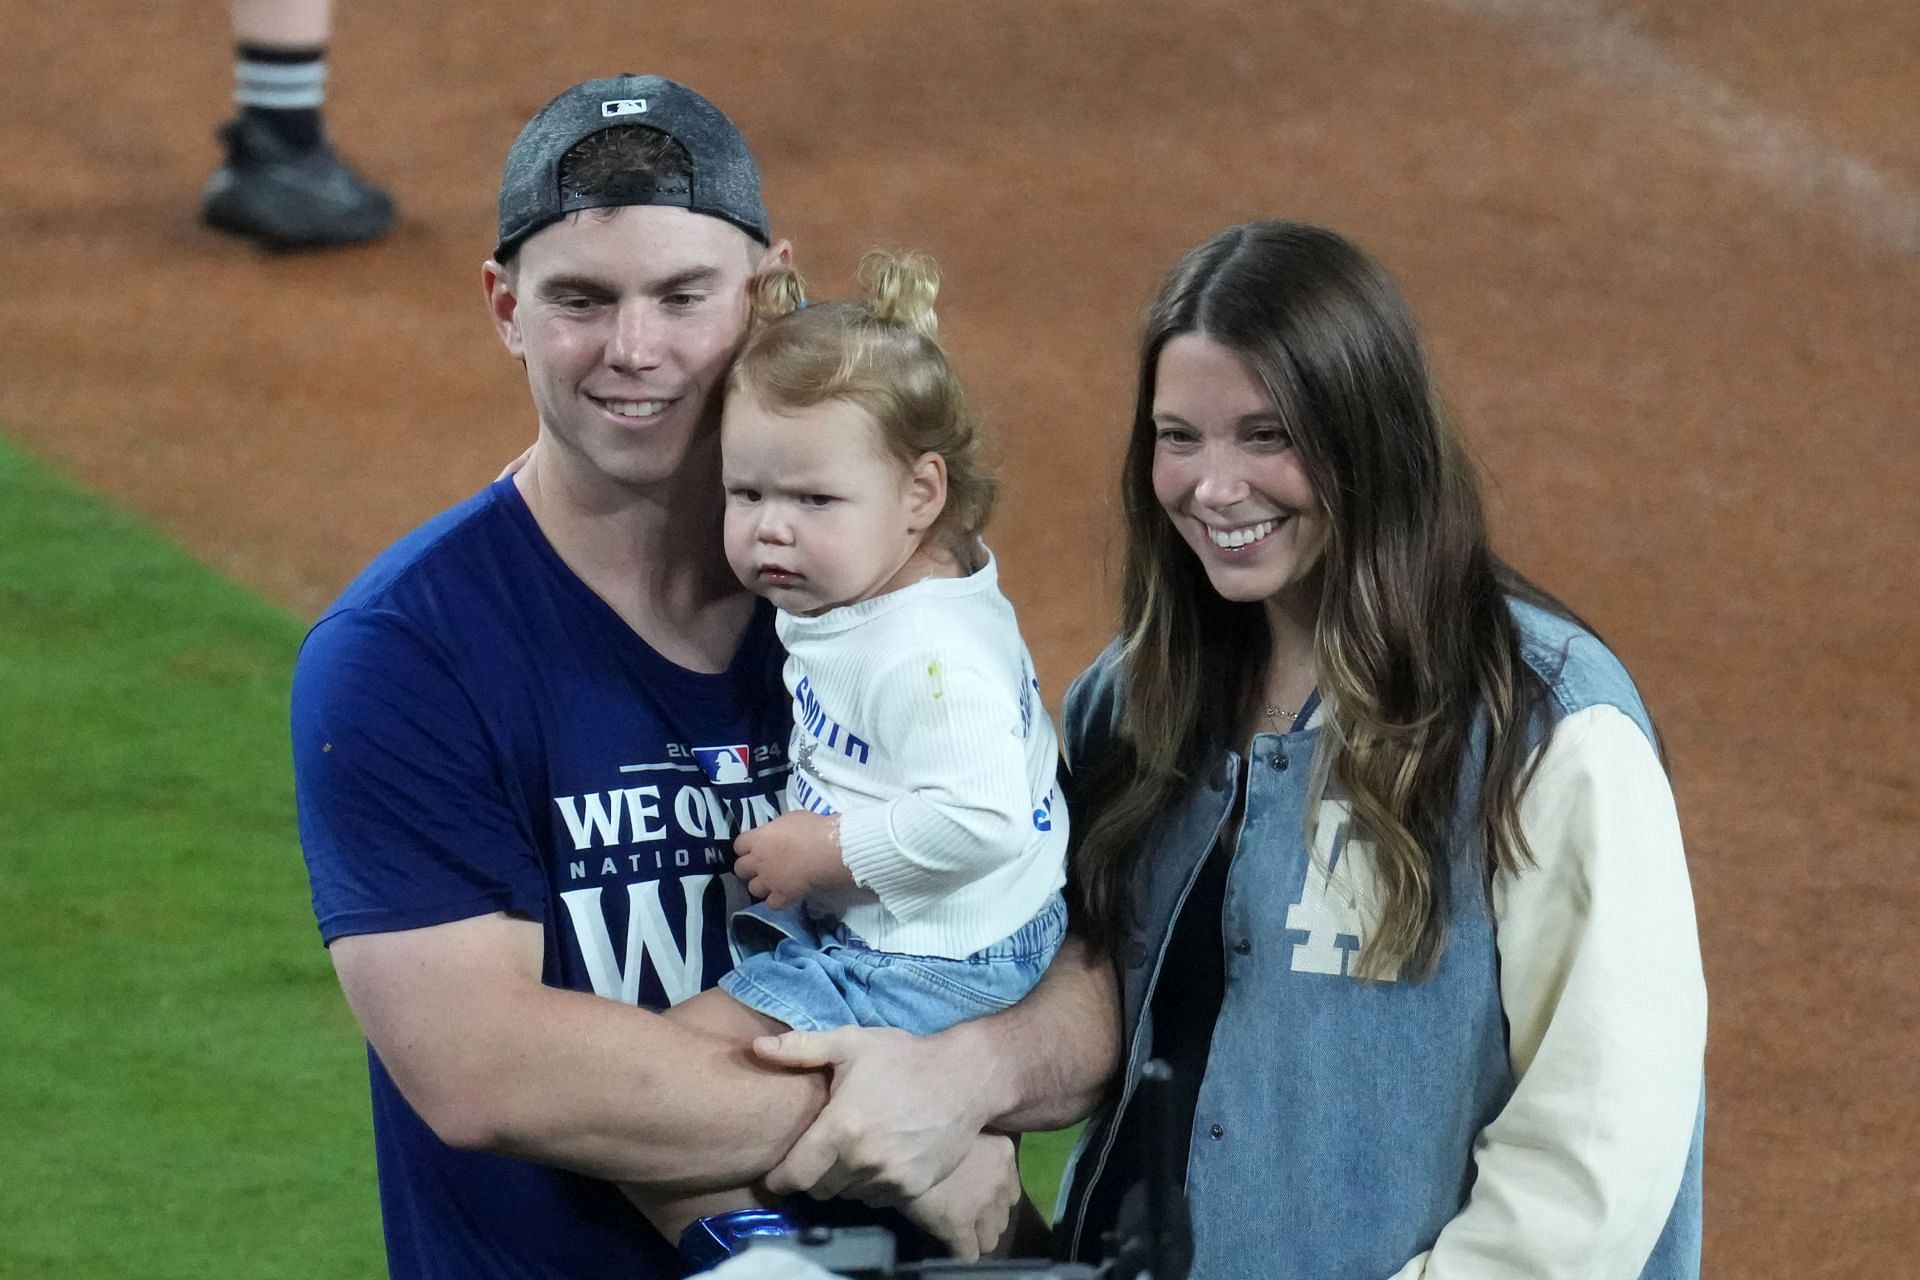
725	183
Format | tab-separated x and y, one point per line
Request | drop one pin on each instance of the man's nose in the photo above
634	343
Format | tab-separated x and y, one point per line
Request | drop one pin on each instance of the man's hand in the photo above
969	1208
902	1111
898	1118
795	856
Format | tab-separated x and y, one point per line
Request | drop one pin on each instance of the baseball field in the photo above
1666	252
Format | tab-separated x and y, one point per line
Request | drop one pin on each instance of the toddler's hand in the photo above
794	856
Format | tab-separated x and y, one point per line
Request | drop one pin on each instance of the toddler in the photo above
914	879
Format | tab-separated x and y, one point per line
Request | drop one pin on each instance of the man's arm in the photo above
1044	1063
904	1109
493	1060
425	882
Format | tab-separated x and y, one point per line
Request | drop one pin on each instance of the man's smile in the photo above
632	408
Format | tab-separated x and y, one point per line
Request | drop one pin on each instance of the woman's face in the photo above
1227	474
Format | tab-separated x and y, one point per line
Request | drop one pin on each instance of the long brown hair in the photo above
1415	645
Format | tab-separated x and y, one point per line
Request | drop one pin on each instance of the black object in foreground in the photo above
1154	1234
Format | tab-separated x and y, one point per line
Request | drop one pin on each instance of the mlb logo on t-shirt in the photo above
724	764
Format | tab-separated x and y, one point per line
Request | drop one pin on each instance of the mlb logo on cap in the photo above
624	107
724	764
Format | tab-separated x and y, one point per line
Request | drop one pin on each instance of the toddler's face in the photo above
819	514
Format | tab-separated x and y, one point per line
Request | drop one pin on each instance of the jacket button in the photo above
1243	947
1217	1132
1279	762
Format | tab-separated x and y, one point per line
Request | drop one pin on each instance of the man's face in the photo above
627	320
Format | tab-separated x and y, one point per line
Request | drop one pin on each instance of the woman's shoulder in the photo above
1577	668
1092	710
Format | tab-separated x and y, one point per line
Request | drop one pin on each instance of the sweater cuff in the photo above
877	861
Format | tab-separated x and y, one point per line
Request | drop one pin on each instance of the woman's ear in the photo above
926	490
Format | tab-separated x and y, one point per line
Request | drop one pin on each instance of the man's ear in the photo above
500	284
926	490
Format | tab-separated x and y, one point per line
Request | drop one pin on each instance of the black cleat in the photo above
287	198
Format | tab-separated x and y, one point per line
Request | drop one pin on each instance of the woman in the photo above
1378	832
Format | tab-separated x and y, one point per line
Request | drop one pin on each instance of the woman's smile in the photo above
1242	537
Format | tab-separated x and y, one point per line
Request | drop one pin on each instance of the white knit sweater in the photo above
918	719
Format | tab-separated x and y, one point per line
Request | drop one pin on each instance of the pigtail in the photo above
776	292
900	287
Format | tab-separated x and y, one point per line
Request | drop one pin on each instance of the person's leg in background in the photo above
282	184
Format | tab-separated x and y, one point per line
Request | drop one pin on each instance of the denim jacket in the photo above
1338	1120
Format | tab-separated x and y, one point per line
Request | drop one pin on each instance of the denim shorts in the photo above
812	973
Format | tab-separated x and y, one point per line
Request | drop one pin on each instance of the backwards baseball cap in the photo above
724	184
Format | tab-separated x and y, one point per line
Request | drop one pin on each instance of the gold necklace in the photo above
1276	715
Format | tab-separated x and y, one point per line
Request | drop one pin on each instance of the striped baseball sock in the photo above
282	89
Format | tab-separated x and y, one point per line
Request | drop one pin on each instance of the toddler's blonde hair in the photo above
882	353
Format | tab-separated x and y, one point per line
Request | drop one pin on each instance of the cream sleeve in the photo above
1606	1007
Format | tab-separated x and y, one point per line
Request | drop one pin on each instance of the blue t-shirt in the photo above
475	731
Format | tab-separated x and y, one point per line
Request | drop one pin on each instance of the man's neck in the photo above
654	554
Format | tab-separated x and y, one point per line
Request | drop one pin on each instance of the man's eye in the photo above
817	500
681	301
577	302
744	495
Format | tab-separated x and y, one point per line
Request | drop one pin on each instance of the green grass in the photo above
1042	1157
182	1092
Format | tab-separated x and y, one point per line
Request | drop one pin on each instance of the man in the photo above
525	737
